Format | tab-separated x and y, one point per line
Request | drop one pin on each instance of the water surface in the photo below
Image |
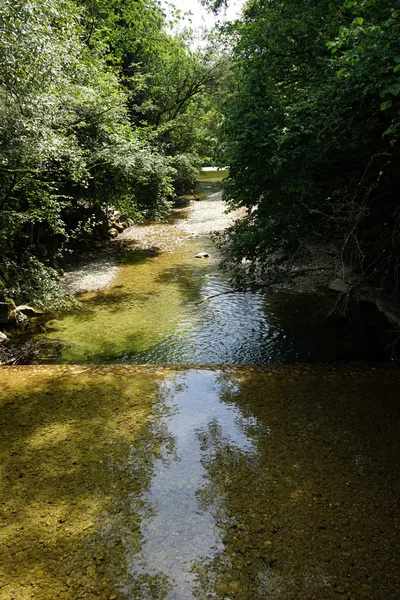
168	484
168	307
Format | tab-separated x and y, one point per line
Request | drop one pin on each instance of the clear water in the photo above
167	307
155	483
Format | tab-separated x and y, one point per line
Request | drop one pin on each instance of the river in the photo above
200	481
241	483
167	307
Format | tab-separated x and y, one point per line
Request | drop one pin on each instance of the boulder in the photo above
3	337
339	285
4	312
202	255
28	311
21	314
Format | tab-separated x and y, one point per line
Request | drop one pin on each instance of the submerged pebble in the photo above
199	483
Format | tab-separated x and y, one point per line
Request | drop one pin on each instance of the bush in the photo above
186	168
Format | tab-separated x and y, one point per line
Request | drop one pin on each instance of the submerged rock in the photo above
202	255
28	311
3	337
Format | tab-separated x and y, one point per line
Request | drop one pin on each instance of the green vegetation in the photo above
102	109
312	134
99	107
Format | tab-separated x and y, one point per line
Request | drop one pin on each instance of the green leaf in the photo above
386	105
395	89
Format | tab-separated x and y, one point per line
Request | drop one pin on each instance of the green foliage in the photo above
99	107
311	133
31	281
186	167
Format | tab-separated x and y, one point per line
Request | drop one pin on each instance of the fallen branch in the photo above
216	296
26	353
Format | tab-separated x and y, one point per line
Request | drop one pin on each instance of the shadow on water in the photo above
112	300
136	256
65	446
245	483
187	278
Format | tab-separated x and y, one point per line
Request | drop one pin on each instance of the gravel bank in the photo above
207	216
203	217
90	277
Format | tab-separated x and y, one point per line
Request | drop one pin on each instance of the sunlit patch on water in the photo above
178	530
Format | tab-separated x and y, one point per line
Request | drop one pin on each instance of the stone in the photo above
4	312
26	310
338	285
3	337
202	255
118	226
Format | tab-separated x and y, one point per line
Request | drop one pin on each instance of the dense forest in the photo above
312	136
100	109
103	108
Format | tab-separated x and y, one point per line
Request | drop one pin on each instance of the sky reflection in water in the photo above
178	532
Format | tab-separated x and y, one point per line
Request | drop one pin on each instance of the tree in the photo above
311	132
98	107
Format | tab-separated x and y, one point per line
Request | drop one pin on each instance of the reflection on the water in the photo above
240	483
178	533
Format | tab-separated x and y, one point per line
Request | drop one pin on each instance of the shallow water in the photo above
236	482
239	482
167	307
